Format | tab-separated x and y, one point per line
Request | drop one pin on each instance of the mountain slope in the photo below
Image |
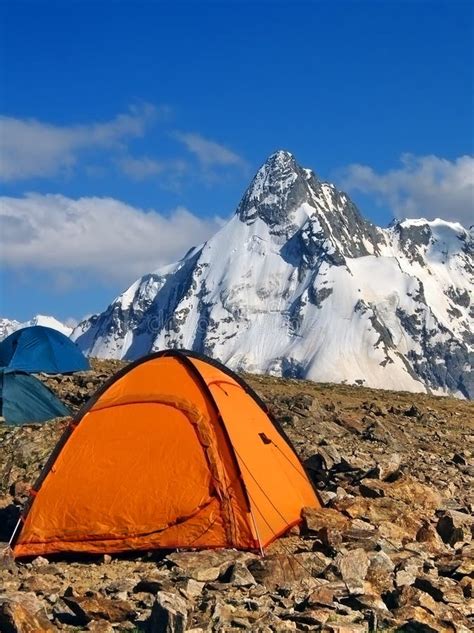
7	326
299	284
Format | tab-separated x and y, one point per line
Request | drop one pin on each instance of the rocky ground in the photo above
393	549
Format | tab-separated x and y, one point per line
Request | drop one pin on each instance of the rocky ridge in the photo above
392	550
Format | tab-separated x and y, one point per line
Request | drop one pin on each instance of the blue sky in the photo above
129	130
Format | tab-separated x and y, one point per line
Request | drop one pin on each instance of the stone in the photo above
193	588
315	520
413	412
417	619
321	596
428	535
380	572
408	570
41	584
455	527
123	585
6	558
352	424
413	493
204	565
169	614
405	577
150	584
440	588
88	608
466	566
63	614
240	576
388	468
23	613
280	569
412	596
39	561
467	585
371	488
330	456
347	628
378	431
100	626
353	567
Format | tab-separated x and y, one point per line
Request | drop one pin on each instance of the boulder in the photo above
428	535
23	613
417	619
387	468
455	527
380	572
240	576
353	567
441	589
169	614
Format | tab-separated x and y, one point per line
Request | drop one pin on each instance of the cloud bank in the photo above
30	148
34	149
423	186
144	167
108	239
209	153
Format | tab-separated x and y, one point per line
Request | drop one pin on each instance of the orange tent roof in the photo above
174	451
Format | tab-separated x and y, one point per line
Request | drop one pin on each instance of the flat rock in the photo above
88	608
314	520
205	565
282	569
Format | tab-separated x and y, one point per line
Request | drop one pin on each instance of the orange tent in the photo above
174	451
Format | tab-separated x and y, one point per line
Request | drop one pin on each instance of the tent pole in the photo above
262	553
14	532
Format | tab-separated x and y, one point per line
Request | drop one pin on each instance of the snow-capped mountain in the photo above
298	283
7	326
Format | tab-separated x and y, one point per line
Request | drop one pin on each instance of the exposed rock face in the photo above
299	284
392	550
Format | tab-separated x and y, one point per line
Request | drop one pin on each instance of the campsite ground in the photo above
393	551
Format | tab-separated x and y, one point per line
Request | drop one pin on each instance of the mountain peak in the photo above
278	188
280	157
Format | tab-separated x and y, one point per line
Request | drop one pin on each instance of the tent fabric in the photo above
38	349
24	399
174	452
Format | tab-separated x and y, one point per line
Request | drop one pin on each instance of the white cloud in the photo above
100	237
145	167
210	153
424	186
31	148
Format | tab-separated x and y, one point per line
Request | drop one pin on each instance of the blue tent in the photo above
41	349
24	399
